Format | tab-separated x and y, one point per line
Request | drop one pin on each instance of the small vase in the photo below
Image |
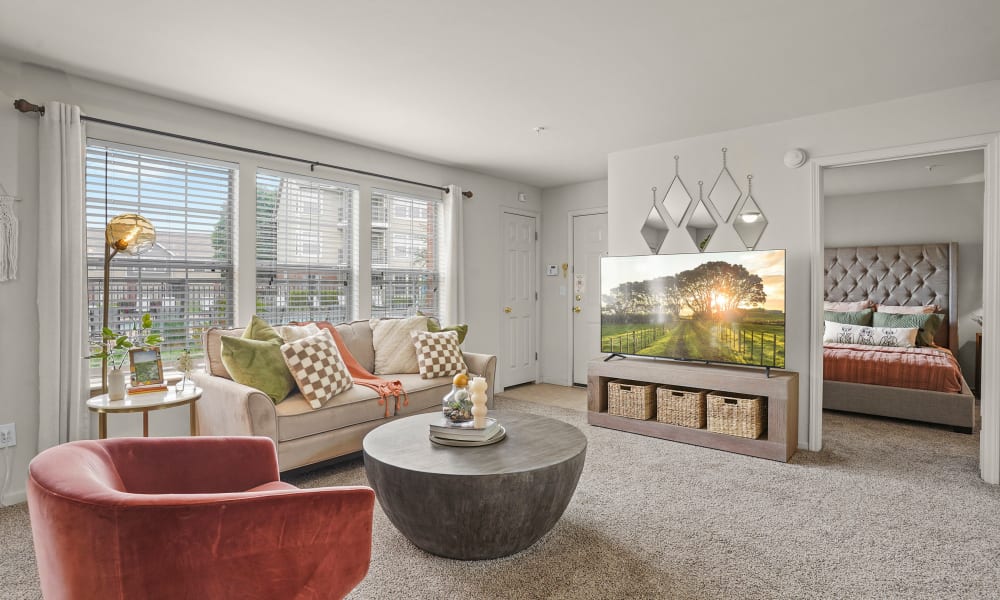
457	404
116	384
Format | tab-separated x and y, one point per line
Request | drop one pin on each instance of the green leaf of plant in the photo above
147	321
107	334
153	339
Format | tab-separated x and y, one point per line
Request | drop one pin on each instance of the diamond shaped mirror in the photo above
701	226
677	200
750	222
725	193
654	229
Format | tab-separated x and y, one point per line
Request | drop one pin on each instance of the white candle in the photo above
479	410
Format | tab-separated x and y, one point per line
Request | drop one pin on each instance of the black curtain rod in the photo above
27	107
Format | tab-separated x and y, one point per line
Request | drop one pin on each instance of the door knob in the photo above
576	309
507	309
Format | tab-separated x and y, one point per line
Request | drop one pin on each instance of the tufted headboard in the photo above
905	275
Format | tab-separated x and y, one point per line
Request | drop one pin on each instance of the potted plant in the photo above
114	347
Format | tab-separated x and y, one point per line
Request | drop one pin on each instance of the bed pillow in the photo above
908	310
847	306
861	317
318	368
927	324
894	337
394	350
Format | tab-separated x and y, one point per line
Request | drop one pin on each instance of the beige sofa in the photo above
305	436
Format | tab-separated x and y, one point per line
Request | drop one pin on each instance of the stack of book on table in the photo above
464	432
147	389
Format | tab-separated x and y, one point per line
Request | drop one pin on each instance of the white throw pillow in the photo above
896	337
393	342
438	354
317	367
292	333
930	309
847	306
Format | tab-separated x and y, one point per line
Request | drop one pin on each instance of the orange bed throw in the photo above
384	387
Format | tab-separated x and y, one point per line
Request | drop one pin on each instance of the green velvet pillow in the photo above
927	324
256	360
861	317
434	326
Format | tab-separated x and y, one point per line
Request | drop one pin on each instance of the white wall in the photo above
784	194
18	318
951	213
556	319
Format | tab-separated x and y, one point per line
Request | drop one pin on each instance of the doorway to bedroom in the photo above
902	291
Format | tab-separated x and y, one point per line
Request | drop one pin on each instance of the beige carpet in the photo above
888	509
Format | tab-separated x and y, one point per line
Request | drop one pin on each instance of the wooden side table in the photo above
144	403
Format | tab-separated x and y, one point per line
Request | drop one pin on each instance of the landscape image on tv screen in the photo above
726	307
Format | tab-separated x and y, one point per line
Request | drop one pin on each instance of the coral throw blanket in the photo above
384	387
915	368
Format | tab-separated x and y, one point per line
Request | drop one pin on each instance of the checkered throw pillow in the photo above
317	367
438	353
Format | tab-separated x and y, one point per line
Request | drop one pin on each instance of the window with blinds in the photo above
304	254
186	281
405	255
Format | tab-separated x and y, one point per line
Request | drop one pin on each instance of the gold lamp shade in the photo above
130	234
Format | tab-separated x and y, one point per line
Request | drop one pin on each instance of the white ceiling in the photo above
907	174
464	82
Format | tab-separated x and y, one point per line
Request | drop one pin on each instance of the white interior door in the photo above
590	243
519	362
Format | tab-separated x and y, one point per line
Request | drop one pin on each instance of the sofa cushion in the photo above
438	354
317	367
297	419
256	360
421	393
213	349
357	336
394	351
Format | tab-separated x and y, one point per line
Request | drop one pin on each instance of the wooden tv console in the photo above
781	390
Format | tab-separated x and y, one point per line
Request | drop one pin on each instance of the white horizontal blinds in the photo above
304	248
186	280
405	254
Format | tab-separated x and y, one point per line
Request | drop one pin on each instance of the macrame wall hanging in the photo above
8	236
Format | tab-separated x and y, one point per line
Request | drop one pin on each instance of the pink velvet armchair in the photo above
191	518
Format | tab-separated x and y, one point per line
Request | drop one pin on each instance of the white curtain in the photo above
62	301
452	284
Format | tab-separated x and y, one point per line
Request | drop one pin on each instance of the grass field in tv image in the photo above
701	308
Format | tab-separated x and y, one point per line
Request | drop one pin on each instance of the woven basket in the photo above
737	414
631	399
681	406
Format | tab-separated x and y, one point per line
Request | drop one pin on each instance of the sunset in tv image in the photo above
726	307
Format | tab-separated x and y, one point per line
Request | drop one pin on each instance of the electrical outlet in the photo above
8	435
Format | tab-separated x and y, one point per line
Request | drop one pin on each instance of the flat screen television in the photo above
720	307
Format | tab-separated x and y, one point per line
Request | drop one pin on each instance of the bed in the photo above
903	275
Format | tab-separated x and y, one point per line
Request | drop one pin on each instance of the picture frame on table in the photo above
146	366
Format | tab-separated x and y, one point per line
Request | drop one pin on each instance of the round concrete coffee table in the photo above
475	503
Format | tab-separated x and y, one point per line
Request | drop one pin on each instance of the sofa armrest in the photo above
484	365
229	408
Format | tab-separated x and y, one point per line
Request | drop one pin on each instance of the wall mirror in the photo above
654	229
677	199
750	222
701	226
725	193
